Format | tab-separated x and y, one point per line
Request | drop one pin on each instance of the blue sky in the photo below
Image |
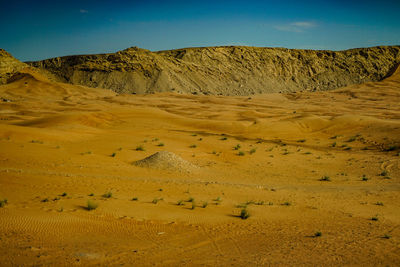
33	30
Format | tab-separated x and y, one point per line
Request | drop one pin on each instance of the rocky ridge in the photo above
229	70
8	66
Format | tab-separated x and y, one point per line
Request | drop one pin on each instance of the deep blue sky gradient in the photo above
33	30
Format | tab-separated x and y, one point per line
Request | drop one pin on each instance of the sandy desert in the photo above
89	176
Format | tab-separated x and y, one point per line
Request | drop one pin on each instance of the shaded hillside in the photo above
224	70
8	66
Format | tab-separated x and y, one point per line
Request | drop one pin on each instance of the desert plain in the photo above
177	179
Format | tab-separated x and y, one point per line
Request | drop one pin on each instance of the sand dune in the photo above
299	163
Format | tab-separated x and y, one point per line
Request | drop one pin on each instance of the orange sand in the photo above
57	138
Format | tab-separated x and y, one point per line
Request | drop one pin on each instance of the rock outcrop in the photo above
233	70
165	160
8	66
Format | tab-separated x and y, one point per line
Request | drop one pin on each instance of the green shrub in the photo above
91	205
252	151
244	214
325	178
218	200
107	195
317	234
352	139
249	202
160	144
391	148
236	147
135	199
3	202
140	148
193	146
241	153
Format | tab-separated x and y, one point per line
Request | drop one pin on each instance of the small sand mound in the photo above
165	160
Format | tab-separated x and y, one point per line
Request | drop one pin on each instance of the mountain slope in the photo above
224	70
8	66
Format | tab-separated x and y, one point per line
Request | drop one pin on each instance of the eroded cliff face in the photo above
233	70
8	66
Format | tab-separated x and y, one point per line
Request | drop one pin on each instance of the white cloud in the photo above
298	26
304	24
83	11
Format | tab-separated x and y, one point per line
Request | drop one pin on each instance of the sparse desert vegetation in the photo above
108	194
237	147
139	148
244	214
3	202
91	205
131	184
325	178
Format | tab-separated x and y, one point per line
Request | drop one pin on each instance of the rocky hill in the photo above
233	70
8	66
